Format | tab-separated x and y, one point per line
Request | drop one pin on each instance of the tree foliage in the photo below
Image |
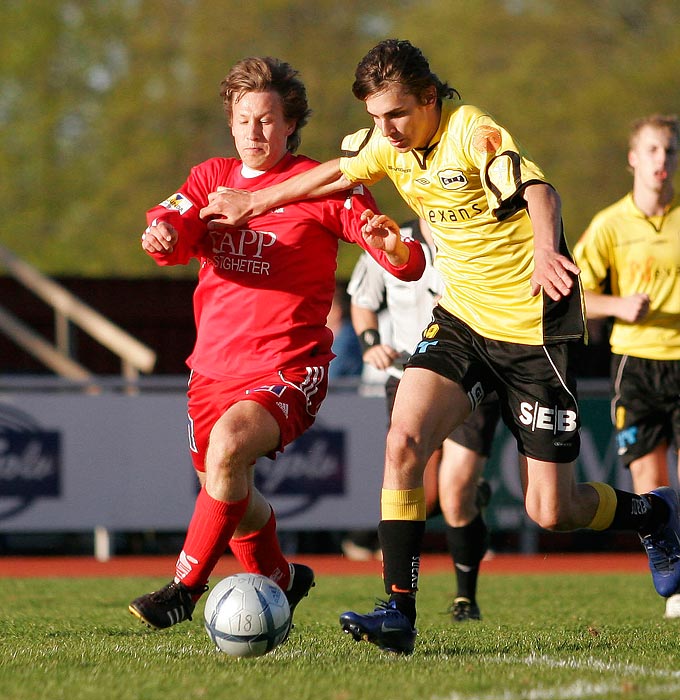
106	104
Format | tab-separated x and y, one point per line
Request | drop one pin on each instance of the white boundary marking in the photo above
578	690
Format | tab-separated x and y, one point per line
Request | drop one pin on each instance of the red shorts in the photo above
292	396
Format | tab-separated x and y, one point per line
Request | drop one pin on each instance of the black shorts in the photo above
536	384
646	404
477	430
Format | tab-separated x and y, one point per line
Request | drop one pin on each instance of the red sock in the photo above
211	527
260	553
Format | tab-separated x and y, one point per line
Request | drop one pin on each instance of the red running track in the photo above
323	564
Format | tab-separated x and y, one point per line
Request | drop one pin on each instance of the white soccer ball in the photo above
673	606
247	615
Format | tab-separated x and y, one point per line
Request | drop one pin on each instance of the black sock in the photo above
401	541
467	546
644	513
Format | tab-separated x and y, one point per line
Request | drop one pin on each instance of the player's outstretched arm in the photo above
552	270
234	207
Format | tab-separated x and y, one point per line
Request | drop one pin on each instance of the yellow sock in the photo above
403	504
606	509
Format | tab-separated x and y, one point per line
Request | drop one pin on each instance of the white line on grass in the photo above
576	691
586	664
579	689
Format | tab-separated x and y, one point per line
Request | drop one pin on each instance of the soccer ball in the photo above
247	615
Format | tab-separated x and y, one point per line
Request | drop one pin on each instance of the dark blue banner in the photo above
313	466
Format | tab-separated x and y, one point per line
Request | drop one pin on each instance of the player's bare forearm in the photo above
552	270
598	305
362	318
234	207
632	309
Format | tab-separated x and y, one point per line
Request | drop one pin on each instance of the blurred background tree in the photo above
106	104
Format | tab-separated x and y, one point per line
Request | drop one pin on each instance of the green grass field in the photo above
542	637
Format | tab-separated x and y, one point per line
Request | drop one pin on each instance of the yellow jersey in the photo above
468	186
636	254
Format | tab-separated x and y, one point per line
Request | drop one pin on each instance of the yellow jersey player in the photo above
509	320
630	269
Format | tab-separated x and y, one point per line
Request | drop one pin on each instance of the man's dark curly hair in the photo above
398	61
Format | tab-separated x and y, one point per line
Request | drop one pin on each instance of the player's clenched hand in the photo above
633	308
380	356
160	238
380	231
228	206
553	273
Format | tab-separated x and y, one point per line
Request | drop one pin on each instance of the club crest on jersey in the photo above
452	179
178	202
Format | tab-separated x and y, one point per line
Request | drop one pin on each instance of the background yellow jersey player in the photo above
630	268
633	248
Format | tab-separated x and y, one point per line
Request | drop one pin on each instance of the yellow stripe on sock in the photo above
604	515
403	504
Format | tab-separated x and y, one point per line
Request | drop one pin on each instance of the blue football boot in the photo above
386	627
663	547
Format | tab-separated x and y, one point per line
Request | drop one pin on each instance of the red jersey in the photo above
264	292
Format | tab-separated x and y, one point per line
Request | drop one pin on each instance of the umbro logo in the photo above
423	181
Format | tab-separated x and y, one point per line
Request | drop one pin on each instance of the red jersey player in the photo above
259	368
